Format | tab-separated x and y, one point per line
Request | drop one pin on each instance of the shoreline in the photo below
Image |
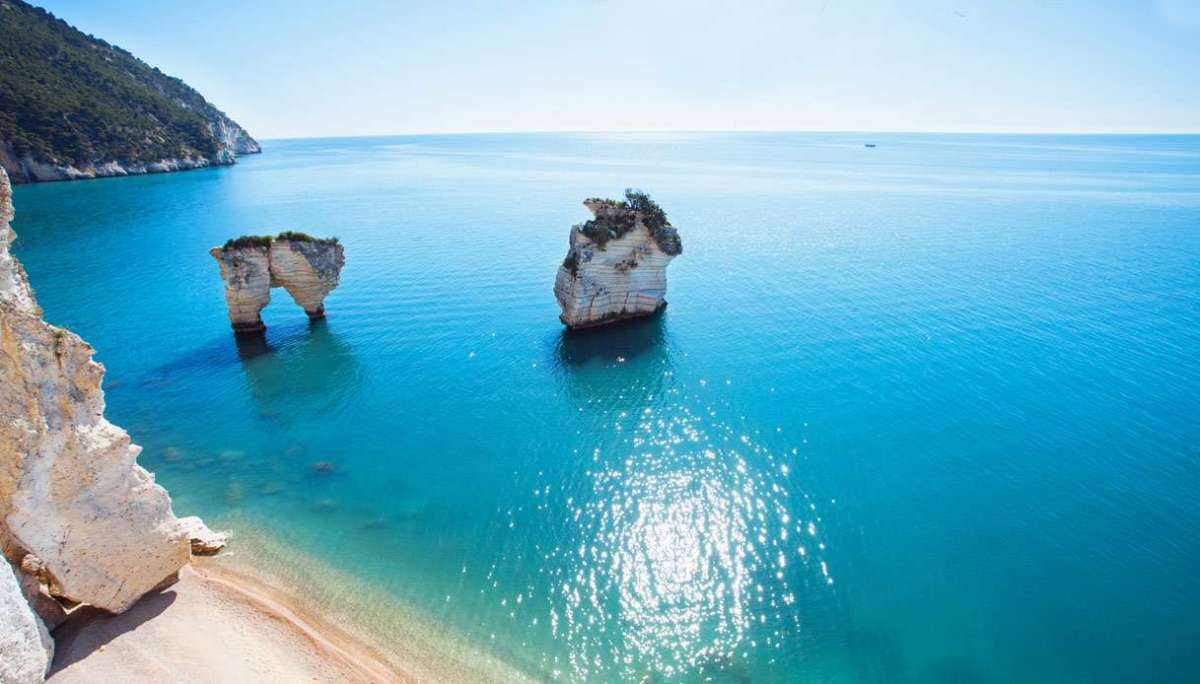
264	610
332	641
214	624
420	645
25	170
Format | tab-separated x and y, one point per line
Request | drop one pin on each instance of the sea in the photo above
927	411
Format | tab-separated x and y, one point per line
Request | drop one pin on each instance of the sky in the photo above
313	68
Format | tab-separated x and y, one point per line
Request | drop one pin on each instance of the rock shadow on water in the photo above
204	360
251	346
221	353
298	369
619	342
615	366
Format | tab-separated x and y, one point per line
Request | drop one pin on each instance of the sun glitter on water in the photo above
685	555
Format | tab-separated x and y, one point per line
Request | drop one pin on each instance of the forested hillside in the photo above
72	105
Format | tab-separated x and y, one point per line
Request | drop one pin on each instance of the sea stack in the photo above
308	268
80	520
616	267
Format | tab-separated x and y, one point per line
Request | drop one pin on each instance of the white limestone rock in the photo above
619	273
34	580
26	649
14	287
247	275
308	268
26	169
204	541
71	491
231	141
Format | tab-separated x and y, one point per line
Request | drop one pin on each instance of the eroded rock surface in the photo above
247	275
204	541
308	268
26	649
616	267
71	491
35	580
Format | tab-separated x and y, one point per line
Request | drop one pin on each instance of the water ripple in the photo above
687	552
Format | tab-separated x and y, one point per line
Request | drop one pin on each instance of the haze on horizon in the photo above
312	68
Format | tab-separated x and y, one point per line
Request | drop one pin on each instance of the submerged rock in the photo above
308	268
71	490
26	649
616	267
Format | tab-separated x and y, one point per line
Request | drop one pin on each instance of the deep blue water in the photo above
923	412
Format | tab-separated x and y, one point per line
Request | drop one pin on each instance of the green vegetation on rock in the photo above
620	217
70	99
295	236
248	241
266	240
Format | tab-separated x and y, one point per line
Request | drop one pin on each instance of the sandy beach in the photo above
213	625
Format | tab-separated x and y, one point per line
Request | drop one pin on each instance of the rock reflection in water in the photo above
623	341
619	368
302	368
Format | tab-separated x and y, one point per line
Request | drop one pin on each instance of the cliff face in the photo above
616	267
77	513
308	268
26	649
73	106
232	139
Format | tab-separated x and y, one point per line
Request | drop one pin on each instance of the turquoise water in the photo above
923	412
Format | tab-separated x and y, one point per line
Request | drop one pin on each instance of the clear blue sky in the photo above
301	68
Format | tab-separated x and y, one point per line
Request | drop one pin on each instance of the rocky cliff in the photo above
616	266
308	268
26	649
80	520
73	106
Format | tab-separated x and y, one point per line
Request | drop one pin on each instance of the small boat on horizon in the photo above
869	145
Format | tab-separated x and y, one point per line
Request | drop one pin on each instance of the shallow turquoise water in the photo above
923	412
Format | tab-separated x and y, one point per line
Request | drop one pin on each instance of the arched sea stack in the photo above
308	268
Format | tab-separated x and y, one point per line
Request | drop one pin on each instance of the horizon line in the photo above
732	130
